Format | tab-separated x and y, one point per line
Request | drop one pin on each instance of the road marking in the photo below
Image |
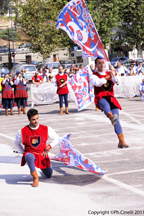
126	172
7	136
132	118
123	185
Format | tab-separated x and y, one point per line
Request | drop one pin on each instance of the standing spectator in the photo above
71	72
80	67
66	70
7	94
132	70
140	69
49	73
121	70
50	79
92	68
141	89
24	75
20	92
62	89
136	66
41	72
37	79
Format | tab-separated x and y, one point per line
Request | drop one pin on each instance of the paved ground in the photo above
71	191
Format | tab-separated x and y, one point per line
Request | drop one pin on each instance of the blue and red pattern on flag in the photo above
81	88
76	20
73	158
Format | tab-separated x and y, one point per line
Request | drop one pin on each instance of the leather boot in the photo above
61	111
21	108
67	112
6	112
113	118
11	111
35	179
122	143
19	111
24	110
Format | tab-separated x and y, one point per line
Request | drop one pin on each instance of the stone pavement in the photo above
71	191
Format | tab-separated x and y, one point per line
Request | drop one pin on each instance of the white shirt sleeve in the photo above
115	80
18	141
4	81
53	135
96	81
16	82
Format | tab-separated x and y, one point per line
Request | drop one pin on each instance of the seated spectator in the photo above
37	79
132	71
141	89
121	70
50	80
140	69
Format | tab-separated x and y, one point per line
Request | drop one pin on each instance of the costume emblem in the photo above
107	86
62	80
35	141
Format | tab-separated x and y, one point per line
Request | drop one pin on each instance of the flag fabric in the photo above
73	158
81	88
76	20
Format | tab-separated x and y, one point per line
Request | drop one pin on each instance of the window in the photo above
79	59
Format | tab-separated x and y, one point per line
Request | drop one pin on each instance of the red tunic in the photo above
35	142
105	91
7	91
20	90
60	80
37	78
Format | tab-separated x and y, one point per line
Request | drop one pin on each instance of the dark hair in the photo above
97	59
31	112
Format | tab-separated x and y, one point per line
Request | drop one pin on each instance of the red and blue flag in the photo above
81	88
71	157
76	20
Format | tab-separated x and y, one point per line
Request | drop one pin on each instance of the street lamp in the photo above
10	3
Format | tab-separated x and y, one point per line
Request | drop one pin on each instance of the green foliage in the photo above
4	6
105	14
7	34
132	15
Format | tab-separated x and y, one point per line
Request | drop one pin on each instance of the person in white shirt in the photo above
132	71
121	70
35	151
141	89
140	69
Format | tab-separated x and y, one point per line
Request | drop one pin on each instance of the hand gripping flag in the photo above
76	20
81	88
73	158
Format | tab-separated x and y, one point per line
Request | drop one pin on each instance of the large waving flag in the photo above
82	90
76	20
73	158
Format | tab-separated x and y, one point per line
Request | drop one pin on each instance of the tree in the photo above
132	25
105	14
4	6
37	19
